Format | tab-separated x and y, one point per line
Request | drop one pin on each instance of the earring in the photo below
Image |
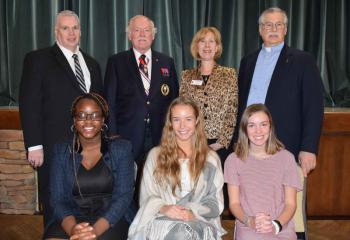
104	128
72	128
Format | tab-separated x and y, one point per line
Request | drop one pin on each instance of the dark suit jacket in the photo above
294	98
48	88
128	103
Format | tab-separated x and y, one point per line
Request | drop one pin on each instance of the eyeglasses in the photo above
270	25
83	116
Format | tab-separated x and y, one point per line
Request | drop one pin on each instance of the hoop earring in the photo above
104	128
72	128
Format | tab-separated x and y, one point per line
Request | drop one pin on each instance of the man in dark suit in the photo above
139	85
52	78
288	82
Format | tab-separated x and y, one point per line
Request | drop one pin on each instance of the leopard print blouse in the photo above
217	99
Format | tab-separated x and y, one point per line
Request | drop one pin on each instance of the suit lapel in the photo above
250	72
156	76
280	70
89	65
65	65
134	70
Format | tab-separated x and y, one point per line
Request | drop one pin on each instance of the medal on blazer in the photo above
164	89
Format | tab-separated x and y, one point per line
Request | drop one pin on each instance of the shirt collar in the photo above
66	52
273	49
148	54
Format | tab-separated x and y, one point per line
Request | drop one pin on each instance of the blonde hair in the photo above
168	168
242	148
200	35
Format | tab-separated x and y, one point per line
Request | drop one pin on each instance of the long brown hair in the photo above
272	146
168	169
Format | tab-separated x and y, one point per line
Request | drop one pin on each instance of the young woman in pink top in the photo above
262	180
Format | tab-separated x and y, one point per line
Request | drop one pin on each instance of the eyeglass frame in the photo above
89	116
273	25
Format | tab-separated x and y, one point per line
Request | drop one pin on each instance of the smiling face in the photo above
67	31
141	34
273	29
258	130
207	47
183	121
88	120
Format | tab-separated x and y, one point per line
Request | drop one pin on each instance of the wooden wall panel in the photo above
329	184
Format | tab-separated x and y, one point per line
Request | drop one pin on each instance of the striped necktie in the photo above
144	73
143	64
79	73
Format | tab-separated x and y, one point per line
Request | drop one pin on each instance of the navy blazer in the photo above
118	158
129	106
294	98
47	90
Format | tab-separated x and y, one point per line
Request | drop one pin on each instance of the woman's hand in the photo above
177	212
187	215
263	223
83	231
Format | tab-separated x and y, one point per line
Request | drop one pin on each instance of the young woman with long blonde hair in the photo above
181	188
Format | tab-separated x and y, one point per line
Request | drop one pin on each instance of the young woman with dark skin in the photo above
92	178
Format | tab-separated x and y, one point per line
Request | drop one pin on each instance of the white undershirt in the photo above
186	183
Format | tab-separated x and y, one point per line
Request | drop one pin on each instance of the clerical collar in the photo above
276	48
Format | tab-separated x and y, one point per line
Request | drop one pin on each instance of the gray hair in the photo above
131	21
67	13
273	10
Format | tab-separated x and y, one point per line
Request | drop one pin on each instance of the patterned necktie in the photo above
143	64
144	73
79	73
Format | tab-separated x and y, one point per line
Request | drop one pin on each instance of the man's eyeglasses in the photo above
269	25
82	116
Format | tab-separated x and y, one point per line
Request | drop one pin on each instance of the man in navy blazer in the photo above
288	82
140	83
48	87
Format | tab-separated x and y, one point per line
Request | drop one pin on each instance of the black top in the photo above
96	186
205	78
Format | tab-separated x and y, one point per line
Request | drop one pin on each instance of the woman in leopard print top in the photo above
213	88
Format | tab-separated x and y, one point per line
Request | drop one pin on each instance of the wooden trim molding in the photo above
9	118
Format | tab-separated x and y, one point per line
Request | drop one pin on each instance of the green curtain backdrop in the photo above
318	26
